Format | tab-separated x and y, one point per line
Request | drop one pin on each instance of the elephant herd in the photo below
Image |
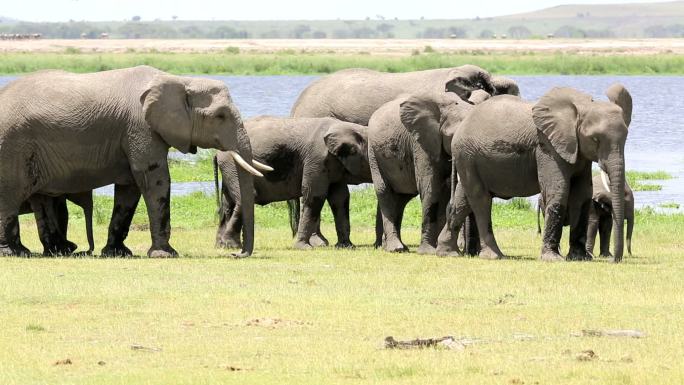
456	137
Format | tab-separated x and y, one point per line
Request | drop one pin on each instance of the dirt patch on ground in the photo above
351	46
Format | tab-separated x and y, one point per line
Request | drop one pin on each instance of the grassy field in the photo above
293	62
291	317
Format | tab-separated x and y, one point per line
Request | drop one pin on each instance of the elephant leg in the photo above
392	208
52	220
578	234
85	201
155	185
578	213
433	212
230	223
471	236
317	239
10	241
378	226
338	199
480	201
126	199
309	221
554	182
457	212
592	228
605	230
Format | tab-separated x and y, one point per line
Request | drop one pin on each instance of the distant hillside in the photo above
575	21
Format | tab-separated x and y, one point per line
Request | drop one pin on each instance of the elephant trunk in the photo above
246	188
615	167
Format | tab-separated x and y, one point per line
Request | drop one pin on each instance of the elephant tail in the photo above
538	220
293	208
630	228
216	183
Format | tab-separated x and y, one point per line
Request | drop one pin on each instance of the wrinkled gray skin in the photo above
409	142
601	218
312	158
353	95
64	133
52	219
507	147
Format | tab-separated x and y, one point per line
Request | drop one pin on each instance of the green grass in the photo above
635	178
306	63
199	169
326	312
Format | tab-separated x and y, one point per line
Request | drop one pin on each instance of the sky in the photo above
98	10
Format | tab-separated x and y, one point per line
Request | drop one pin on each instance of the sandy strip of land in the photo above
353	46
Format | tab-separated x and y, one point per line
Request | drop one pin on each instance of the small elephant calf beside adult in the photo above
312	158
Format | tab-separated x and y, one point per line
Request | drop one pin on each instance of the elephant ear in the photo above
422	117
348	144
166	110
465	79
618	94
504	85
556	116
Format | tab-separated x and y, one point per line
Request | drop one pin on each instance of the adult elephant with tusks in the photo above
312	158
65	133
353	95
507	147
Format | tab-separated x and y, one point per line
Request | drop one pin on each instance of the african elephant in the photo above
353	95
601	216
507	147
409	142
312	158
52	219
64	133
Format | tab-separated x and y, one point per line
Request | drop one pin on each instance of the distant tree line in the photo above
340	29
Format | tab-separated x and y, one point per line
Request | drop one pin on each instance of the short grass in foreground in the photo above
320	317
520	63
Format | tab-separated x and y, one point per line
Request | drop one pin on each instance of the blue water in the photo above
655	141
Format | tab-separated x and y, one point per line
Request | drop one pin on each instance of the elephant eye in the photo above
221	116
595	140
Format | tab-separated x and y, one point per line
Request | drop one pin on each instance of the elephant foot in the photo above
240	255
162	252
345	245
425	248
395	246
18	250
487	253
612	259
302	245
228	243
551	256
65	248
116	251
445	252
608	255
318	240
578	255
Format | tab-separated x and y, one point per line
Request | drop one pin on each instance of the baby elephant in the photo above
312	158
601	217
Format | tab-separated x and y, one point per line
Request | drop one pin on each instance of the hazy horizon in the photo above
92	10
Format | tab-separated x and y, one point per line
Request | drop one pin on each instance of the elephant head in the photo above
191	112
575	125
348	142
505	86
432	119
467	78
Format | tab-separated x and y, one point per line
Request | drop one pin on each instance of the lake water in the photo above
655	141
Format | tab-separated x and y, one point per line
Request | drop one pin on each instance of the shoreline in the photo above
374	47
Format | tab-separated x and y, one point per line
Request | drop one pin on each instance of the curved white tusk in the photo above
606	180
238	159
261	166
